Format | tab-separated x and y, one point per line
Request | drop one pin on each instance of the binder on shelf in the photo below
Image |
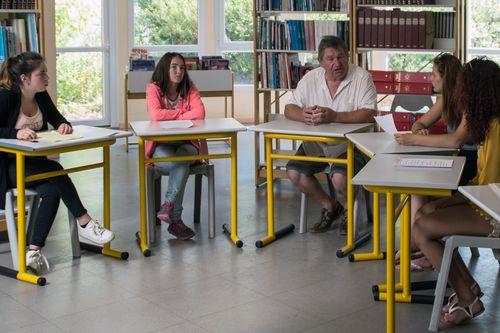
413	88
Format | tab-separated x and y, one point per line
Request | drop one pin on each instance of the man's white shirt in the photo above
356	91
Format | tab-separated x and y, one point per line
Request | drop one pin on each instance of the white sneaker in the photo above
96	233
37	262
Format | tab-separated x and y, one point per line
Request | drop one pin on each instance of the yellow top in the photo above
488	157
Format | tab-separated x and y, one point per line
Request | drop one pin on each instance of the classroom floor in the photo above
296	284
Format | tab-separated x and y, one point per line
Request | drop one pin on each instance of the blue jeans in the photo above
178	172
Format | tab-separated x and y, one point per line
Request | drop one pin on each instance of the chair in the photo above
411	102
451	243
359	201
153	194
33	201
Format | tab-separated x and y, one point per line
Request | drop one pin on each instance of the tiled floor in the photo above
294	285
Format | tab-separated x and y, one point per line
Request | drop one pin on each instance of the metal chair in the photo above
33	201
153	194
411	102
451	243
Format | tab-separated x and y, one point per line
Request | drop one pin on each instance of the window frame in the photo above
229	46
106	50
181	48
475	51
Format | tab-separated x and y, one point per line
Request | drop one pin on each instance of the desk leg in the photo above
390	306
405	254
375	254
21	225
351	243
106	250
233	233
271	235
142	236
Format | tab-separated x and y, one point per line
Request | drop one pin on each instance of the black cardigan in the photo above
10	105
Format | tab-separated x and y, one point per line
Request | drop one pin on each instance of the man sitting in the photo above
335	92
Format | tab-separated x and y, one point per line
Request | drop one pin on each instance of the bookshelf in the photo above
436	27
22	27
287	19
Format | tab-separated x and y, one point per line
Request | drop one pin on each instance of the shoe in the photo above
165	212
476	290
327	219
420	264
180	230
96	233
37	262
468	310
343	224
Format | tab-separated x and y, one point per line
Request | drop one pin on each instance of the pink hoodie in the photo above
190	108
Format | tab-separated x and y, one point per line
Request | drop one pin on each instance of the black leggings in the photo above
51	191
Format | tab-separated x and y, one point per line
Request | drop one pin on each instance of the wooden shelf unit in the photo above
271	96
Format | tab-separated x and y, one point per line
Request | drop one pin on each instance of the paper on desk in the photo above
54	136
387	124
495	187
176	124
425	162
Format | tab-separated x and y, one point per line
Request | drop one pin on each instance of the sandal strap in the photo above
467	309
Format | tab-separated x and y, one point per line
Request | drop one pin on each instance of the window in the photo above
82	60
160	26
483	30
235	37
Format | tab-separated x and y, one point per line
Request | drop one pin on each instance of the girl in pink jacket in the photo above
172	96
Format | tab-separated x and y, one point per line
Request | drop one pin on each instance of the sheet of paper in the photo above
54	136
425	163
387	123
176	124
495	187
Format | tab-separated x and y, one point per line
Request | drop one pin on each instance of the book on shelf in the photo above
396	2
400	82
281	70
18	35
18	4
303	5
401	29
299	35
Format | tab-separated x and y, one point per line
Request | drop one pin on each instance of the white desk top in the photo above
383	143
219	125
484	197
381	170
89	134
286	126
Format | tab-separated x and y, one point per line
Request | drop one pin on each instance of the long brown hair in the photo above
479	91
161	76
449	67
12	69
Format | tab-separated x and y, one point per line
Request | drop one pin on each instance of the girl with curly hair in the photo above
479	98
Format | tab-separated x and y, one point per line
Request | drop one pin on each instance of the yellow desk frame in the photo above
401	292
22	274
232	232
273	235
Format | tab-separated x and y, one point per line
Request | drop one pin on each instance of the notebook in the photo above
424	163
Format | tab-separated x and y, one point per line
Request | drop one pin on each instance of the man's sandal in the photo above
467	310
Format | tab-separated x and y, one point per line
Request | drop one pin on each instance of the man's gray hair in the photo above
331	42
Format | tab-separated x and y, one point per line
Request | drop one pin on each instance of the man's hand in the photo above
406	139
324	115
26	134
308	114
65	129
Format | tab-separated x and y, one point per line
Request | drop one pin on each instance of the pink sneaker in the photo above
180	230
165	211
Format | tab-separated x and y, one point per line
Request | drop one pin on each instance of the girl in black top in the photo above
26	107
